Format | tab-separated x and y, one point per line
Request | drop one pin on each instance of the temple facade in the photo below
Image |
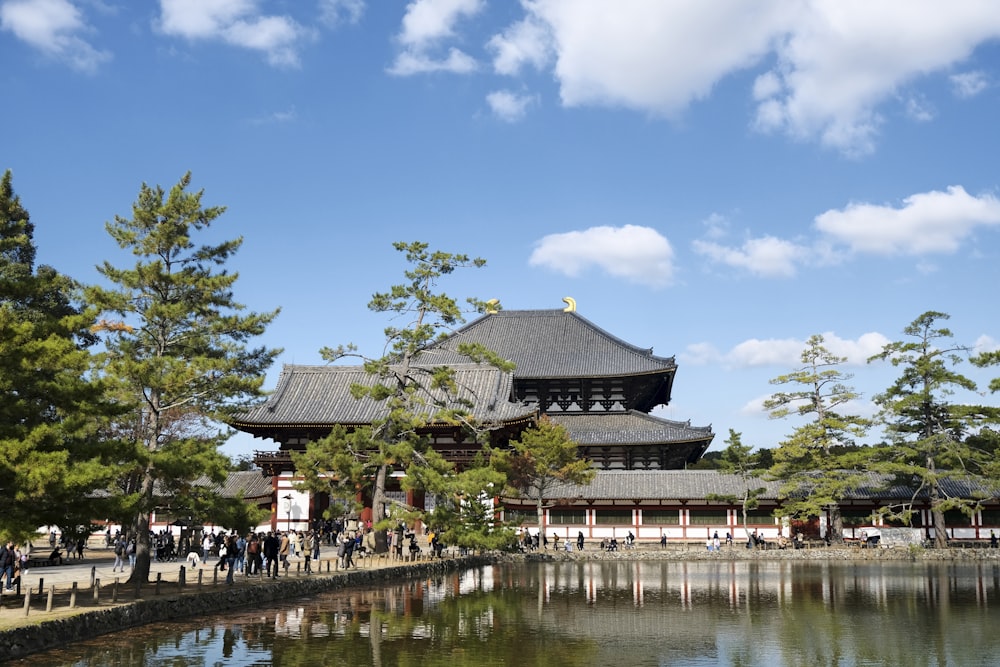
599	387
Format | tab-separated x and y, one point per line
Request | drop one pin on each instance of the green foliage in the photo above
177	351
928	432
543	457
740	460
819	463
51	407
415	397
465	515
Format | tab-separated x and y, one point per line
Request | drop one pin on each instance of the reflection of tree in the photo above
597	613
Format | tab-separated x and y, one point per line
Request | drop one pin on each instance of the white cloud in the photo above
509	106
787	352
929	222
651	55
840	60
985	343
525	42
700	354
637	254
237	23
276	117
969	84
831	64
425	25
337	12
412	62
53	27
766	256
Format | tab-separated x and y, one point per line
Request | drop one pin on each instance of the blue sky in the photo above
717	181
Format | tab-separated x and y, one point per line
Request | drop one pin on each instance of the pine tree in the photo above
740	460
177	347
818	464
544	457
929	434
51	408
413	395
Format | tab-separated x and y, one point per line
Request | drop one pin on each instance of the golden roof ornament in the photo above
570	304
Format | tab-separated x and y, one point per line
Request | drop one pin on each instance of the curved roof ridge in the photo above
553	344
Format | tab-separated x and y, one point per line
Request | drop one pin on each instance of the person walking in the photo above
119	553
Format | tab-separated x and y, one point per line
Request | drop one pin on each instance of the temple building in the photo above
599	387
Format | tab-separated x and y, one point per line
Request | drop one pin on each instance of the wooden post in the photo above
72	596
200	575
27	601
97	591
215	576
182	577
52	594
114	590
93	575
41	585
159	576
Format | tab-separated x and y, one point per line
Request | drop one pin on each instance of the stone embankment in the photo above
740	552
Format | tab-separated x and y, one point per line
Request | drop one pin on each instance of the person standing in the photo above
579	541
283	551
7	557
271	546
307	543
349	544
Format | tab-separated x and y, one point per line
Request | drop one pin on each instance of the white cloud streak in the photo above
785	352
767	256
237	23
637	254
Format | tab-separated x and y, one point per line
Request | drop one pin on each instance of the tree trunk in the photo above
143	546
378	508
540	513
836	528
937	515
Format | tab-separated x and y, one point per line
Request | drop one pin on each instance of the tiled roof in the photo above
246	484
661	484
552	344
699	484
630	428
321	396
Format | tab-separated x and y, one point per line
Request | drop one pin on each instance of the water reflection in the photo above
603	613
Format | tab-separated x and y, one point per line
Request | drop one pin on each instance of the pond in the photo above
602	613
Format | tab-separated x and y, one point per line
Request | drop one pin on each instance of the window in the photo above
709	518
956	518
574	517
757	517
991	518
855	517
520	517
661	517
613	517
